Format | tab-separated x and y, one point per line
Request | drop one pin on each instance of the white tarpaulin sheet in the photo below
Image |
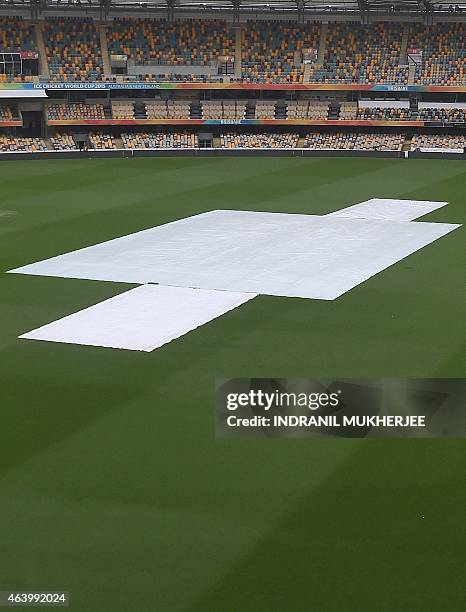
389	210
307	256
142	319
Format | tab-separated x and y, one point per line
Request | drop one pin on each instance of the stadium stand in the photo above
438	141
16	35
223	109
168	109
6	113
443	54
76	111
212	109
160	140
265	109
443	115
297	110
379	142
352	140
305	109
231	140
386	114
272	50
330	140
98	140
63	142
15	144
123	110
362	54
73	50
234	109
348	111
190	42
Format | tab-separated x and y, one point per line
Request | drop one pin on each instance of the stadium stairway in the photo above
404	45
407	144
104	51
195	110
140	110
250	112
411	73
308	69
44	69
281	110
333	110
322	45
238	51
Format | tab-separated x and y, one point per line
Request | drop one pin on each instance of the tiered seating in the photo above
16	78
297	110
16	35
330	140
348	110
6	114
444	54
362	54
318	110
156	109
445	115
352	140
308	109
234	109
74	111
386	114
168	109
123	110
212	109
63	142
269	49
379	142
265	109
160	140
438	141
102	141
232	140
182	42
73	50
30	145
223	109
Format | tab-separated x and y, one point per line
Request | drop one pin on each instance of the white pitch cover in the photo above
308	256
389	210
142	319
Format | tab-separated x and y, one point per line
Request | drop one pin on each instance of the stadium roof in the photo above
297	9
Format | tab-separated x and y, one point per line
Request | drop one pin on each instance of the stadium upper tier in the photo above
183	42
73	50
363	54
272	51
276	52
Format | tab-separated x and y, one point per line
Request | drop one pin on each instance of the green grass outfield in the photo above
112	485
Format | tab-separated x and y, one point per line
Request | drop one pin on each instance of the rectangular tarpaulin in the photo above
389	210
142	319
309	256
